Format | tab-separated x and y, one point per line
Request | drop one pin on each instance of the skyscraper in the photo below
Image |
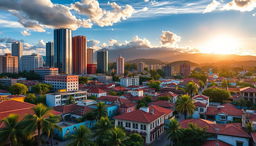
141	67
30	62
120	65
102	61
49	54
8	63
79	48
90	56
63	50
17	50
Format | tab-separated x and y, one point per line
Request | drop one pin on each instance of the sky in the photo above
205	26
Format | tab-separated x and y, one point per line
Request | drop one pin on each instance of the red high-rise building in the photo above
91	68
79	58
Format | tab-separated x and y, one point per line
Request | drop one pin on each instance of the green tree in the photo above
185	105
165	98
41	88
71	100
134	139
144	102
191	88
101	131
11	131
200	75
217	94
83	80
154	84
39	120
100	111
30	98
116	137
18	89
154	75
174	132
144	79
81	137
50	125
224	84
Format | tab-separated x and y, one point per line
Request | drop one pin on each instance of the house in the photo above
224	113
249	94
201	102
249	116
136	92
97	92
232	134
148	121
163	103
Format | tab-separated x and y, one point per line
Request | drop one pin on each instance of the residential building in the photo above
97	92
91	68
17	50
130	81
60	82
49	54
90	52
154	66
63	98
104	78
30	62
167	70
42	72
63	50
136	92
111	109
8	81
147	121
102	61
232	134
185	69
249	94
202	103
141	66
79	48
120	65
9	64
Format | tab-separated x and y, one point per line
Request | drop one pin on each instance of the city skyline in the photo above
184	26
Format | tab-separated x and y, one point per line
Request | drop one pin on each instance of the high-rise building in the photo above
120	65
167	70
141	66
66	82
130	81
90	55
79	47
185	69
63	50
17	50
42	72
102	61
91	68
8	63
30	62
49	54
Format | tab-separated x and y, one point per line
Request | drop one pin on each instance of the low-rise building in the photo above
249	94
8	81
136	92
42	72
63	98
147	121
66	82
97	92
130	81
201	102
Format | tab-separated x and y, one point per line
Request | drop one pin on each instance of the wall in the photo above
232	140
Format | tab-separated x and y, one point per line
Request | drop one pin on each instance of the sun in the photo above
221	44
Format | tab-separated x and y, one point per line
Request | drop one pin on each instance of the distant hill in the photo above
181	62
146	61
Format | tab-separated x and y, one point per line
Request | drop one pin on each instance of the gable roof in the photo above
201	96
162	103
248	89
95	90
228	109
73	109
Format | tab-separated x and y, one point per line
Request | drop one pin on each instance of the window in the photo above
120	123
201	109
128	124
135	126
143	127
239	143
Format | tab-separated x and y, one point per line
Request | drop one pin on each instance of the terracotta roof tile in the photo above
226	109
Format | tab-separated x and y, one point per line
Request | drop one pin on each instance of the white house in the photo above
130	81
201	102
136	92
97	92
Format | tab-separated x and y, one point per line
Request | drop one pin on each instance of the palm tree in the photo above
39	120
49	125
185	105
173	131
134	139
100	111
191	88
82	137
116	137
101	130
11	131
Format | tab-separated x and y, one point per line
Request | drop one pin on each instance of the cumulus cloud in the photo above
241	5
8	40
25	33
169	38
94	44
212	6
38	48
102	17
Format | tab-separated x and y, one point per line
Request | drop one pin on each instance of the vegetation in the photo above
83	80
28	75
41	88
165	98
18	89
30	98
154	84
116	136
81	137
217	94
185	105
191	88
154	75
144	79
100	111
134	139
144	102
200	75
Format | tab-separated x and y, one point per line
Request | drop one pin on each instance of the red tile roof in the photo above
201	96
228	109
162	103
248	89
200	104
96	90
142	116
233	129
253	134
72	108
215	143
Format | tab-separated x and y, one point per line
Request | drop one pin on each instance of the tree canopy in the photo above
217	94
18	89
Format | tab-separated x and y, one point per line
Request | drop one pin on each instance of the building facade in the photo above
141	66
120	65
91	68
46	71
9	63
185	69
17	50
63	82
49	54
130	81
30	62
90	55
63	50
167	70
102	61
79	47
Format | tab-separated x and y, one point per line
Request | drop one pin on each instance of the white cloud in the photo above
94	44
241	5
25	33
212	6
169	38
10	24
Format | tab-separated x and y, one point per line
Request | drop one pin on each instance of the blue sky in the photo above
184	18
